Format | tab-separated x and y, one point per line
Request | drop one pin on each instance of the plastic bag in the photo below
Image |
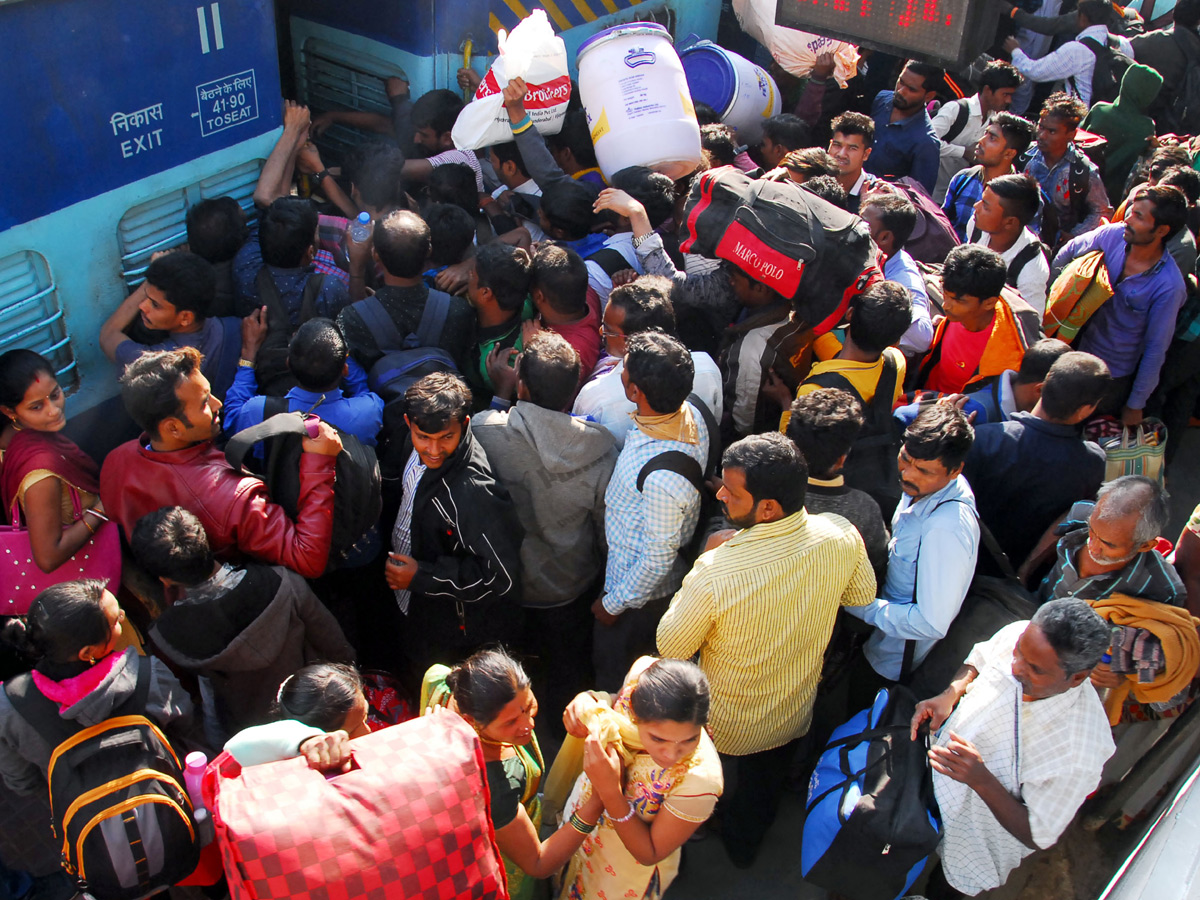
796	51
533	52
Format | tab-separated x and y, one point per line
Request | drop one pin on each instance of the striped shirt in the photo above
760	609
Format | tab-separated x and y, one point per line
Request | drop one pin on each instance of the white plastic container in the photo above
742	93
637	101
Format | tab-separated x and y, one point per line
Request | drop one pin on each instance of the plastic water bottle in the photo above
360	231
193	773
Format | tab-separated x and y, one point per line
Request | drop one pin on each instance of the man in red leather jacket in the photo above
174	463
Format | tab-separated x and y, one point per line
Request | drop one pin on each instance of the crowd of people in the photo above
544	450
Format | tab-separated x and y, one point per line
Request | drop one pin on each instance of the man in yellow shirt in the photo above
759	609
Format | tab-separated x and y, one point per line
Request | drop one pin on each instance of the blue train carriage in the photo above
119	115
341	53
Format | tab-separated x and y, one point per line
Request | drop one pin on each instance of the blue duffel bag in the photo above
870	819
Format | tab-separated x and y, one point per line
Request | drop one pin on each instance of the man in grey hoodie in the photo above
242	629
556	467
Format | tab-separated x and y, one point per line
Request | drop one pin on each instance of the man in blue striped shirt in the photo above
649	520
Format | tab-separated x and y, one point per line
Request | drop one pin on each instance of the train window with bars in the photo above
334	77
31	316
161	223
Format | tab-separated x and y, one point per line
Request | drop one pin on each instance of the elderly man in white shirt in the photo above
1022	738
1074	62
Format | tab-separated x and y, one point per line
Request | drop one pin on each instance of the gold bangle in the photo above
86	524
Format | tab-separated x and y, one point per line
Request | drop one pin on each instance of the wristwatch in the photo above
320	176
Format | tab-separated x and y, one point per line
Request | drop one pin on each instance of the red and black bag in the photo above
818	256
409	821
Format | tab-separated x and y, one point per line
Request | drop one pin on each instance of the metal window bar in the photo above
161	223
31	316
333	78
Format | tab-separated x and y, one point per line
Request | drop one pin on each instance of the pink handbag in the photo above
21	578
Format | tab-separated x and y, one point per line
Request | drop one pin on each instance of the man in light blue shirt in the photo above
935	541
648	520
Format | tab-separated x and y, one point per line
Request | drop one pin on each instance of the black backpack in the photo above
681	464
1111	65
871	465
117	797
270	366
1185	98
357	501
405	360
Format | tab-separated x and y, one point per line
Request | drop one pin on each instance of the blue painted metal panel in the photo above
111	91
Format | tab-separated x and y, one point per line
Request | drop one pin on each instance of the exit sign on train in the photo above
947	32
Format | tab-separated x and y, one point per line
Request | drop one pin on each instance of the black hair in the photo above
485	683
1186	179
19	369
1038	359
1169	204
879	316
662	369
705	114
378	173
506	271
998	75
933	78
855	123
1097	12
1166	157
455	183
646	302
1077	633
187	281
150	385
171	543
671	690
549	369
1019	195
1075	380
1018	132
655	191
437	110
897	214
287	230
774	468
720	144
810	162
974	270
1187	14
568	207
823	425
62	620
787	131
940	432
437	400
402	243
1065	107
451	233
562	276
576	136
216	229
508	153
828	188
317	355
320	695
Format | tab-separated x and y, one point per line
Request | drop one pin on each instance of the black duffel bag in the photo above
808	250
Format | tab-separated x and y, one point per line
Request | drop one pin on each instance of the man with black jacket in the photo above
455	563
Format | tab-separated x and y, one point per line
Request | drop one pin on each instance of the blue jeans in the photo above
14	883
